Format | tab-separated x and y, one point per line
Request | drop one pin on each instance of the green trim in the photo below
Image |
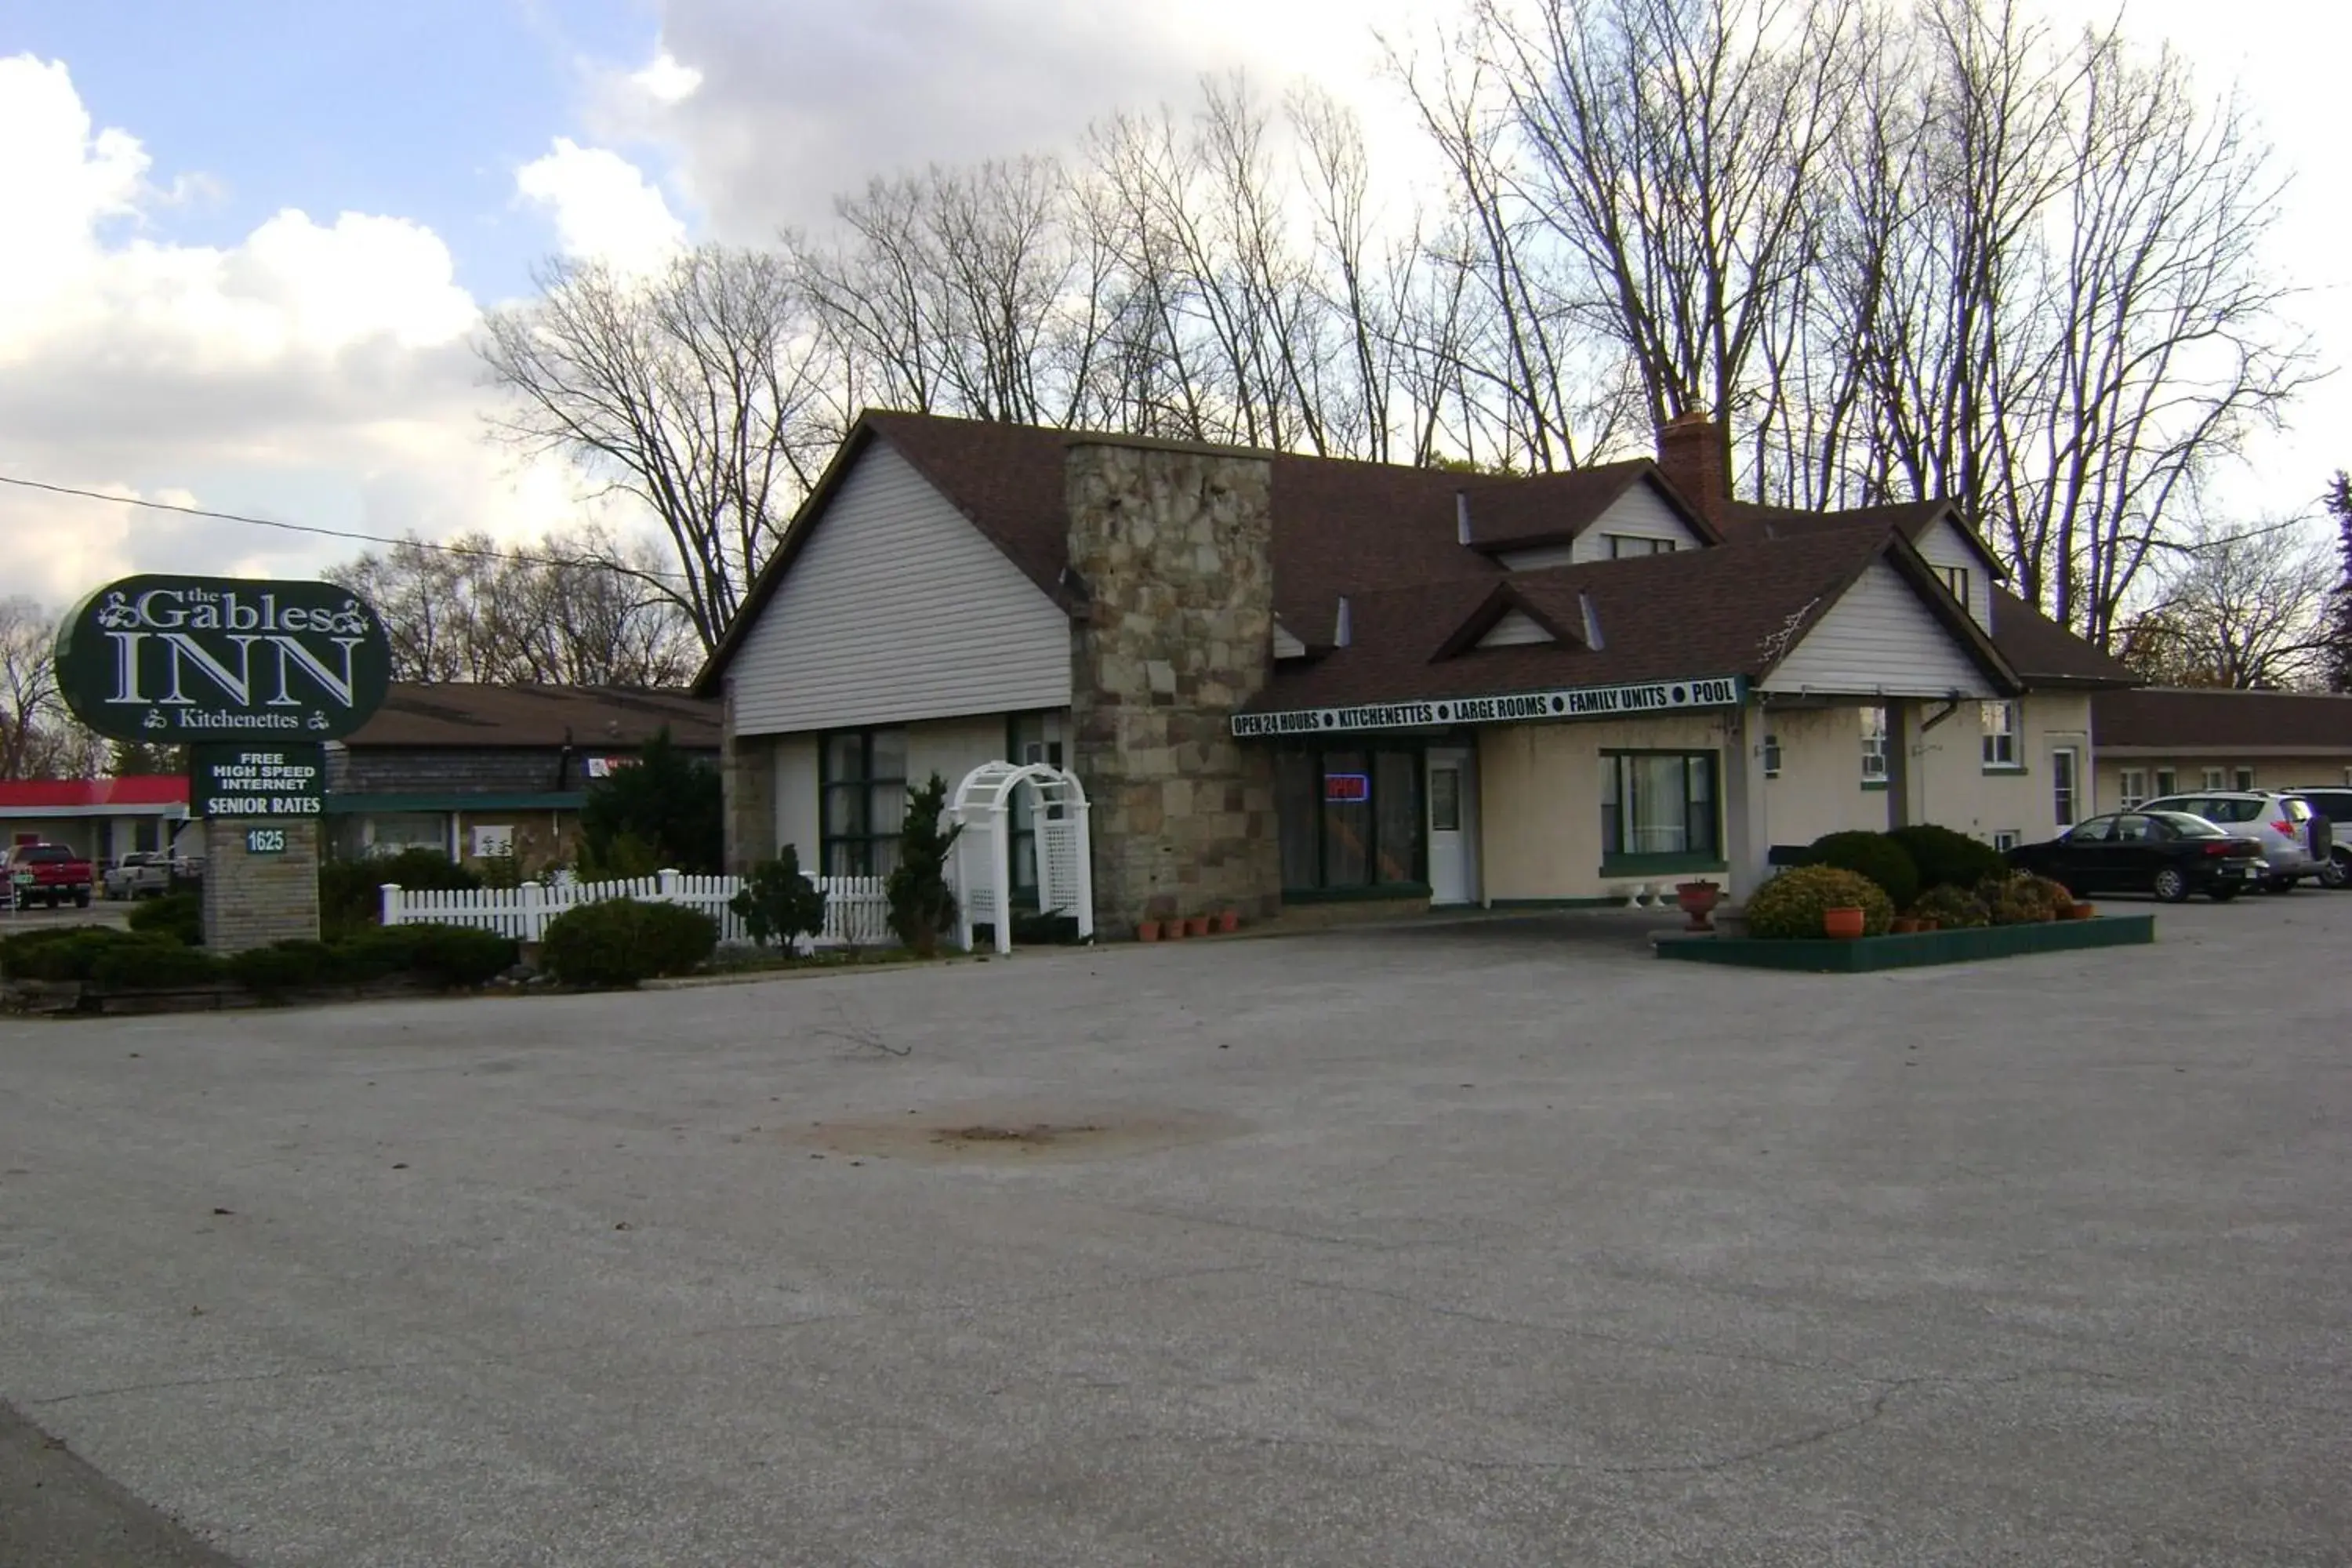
1604	903
1824	955
1874	783
1355	895
2005	769
1660	864
358	804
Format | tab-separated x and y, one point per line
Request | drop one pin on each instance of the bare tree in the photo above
40	738
2247	609
699	391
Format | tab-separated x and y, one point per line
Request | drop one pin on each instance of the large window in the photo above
1874	746
863	801
1030	738
2061	784
1621	545
2167	782
1658	810
1350	818
2131	791
2000	721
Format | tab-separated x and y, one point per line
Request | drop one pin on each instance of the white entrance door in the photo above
1453	839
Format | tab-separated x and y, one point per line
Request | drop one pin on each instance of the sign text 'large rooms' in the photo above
1523	707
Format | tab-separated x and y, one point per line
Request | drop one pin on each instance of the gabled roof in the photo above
1553	509
460	713
1911	519
1501	600
2047	654
2187	719
133	791
1691	614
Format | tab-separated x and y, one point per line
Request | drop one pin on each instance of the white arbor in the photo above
985	805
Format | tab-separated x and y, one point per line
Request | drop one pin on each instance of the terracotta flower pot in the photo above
1698	900
1843	924
2086	912
1928	923
1229	922
1172	929
1196	925
1147	930
1905	924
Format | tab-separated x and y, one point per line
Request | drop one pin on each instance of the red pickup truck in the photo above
47	874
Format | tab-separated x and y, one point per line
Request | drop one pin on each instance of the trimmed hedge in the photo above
150	966
1876	856
350	892
620	942
1952	908
1791	905
447	956
2020	898
74	952
179	916
1945	859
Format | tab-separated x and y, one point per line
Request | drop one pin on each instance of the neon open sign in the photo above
1347	788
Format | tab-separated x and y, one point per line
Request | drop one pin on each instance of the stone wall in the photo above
747	778
252	901
1174	546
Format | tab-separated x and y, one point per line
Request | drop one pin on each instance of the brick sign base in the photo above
253	899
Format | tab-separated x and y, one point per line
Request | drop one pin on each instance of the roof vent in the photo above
1344	632
1462	517
1592	622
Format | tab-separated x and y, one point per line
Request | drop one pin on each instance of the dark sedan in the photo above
2168	853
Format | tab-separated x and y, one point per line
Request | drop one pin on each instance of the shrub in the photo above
1952	908
348	890
778	903
621	942
617	859
1790	904
667	799
922	905
459	955
178	916
1872	855
293	966
2020	898
1949	859
152	964
72	954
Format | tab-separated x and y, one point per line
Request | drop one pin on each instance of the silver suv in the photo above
2334	802
2296	841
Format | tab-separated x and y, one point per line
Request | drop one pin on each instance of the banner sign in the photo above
1568	703
255	781
176	659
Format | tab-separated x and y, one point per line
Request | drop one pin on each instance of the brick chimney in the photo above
1695	456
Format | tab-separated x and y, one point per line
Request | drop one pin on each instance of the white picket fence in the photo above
856	909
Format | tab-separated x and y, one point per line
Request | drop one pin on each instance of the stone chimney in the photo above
1695	456
1175	544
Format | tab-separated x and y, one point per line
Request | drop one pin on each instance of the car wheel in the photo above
2172	885
82	901
2336	872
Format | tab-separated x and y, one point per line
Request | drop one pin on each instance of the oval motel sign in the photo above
188	659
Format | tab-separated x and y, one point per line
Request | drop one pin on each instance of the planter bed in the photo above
1912	950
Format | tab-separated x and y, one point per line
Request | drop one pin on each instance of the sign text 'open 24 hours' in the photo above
1526	707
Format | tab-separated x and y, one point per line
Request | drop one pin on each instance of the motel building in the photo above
1285	679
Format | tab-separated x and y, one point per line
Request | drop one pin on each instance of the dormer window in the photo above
1621	545
1956	578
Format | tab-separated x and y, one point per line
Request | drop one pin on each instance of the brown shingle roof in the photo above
455	713
1733	611
2047	654
2202	719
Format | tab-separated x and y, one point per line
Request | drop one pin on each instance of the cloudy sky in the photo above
246	246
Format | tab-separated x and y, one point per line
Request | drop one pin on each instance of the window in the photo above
1658	806
1874	746
2167	782
1956	578
863	801
1029	737
2213	779
2132	793
493	842
1445	799
2061	784
2000	721
1621	545
2006	839
2245	778
147	834
1350	818
1771	756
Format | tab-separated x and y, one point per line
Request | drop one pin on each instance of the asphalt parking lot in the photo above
1489	1244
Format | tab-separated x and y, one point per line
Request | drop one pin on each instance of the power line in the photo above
409	544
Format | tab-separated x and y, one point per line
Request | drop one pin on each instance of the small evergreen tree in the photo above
778	903
2338	658
922	905
669	801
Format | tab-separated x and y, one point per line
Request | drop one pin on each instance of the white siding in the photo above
1287	645
1880	638
1516	629
796	803
1639	513
1943	546
899	608
1537	559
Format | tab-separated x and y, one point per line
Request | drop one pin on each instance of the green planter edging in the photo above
1824	955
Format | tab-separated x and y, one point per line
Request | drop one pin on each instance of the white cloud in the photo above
603	207
665	80
317	371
